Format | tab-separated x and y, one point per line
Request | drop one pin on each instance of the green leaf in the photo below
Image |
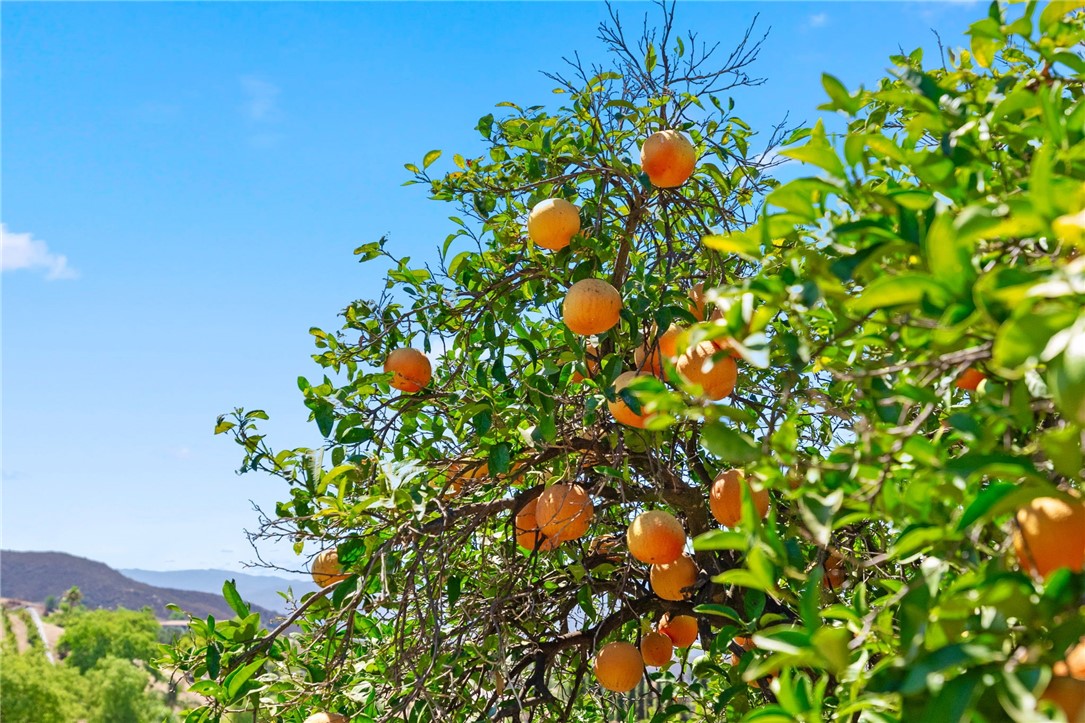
903	289
721	611
499	458
728	444
841	99
236	680
1055	11
720	540
233	599
429	158
650	58
324	414
738	242
214	660
1063	447
984	501
818	152
454	586
817	514
223	426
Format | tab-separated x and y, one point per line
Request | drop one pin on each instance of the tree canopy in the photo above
903	329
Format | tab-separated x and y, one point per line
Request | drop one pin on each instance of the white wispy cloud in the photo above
261	98
818	20
23	251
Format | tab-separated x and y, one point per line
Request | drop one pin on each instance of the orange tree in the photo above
824	437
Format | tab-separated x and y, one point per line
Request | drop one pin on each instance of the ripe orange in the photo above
622	411
591	363
1068	695
725	499
970	379
746	643
1050	535
681	629
326	569
591	306
410	369
656	537
1074	664
664	347
835	575
655	649
323	717
716	377
668	158
553	223
619	667
669	580
564	512
527	529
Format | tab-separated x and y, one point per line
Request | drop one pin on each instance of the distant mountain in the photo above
262	590
34	576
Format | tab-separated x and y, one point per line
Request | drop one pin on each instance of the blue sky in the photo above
183	185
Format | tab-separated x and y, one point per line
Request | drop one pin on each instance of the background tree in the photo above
865	485
34	691
95	634
119	694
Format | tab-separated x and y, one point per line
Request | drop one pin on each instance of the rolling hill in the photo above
262	590
34	576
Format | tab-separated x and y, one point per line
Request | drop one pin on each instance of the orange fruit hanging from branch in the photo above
656	537
527	529
1050	535
553	223
410	369
564	512
668	158
681	629
669	581
621	411
656	649
708	367
725	498
591	306
619	667
326	569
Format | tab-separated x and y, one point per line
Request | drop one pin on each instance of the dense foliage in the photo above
941	234
102	676
91	635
